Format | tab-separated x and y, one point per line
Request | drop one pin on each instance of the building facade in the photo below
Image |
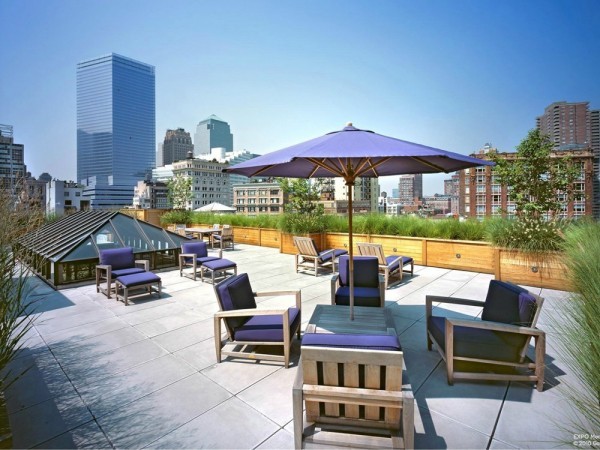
116	127
209	183
151	195
481	195
258	198
220	154
63	197
176	145
573	126
410	188
12	162
212	132
365	195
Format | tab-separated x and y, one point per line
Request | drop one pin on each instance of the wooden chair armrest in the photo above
297	294
187	255
220	252
250	312
103	266
398	259
324	254
429	299
495	326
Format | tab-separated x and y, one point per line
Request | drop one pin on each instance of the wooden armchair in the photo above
309	257
114	263
353	391
473	349
224	238
390	266
369	285
248	326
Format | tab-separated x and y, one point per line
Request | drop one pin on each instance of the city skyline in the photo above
452	75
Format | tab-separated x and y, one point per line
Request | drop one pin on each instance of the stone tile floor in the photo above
105	375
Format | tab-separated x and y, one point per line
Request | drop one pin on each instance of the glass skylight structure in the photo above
66	251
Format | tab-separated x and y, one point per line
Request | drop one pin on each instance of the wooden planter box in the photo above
545	271
246	235
472	256
341	240
270	238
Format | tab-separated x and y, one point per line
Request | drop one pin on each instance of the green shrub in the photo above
577	324
527	234
176	216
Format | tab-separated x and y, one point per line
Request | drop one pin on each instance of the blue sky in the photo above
449	74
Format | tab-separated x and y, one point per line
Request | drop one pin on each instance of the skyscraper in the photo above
12	163
176	146
212	132
116	127
573	126
410	188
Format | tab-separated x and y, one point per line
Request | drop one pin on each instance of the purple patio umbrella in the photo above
352	153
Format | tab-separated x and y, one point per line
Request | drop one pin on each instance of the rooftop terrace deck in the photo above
107	375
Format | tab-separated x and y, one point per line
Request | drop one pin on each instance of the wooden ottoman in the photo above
146	280
217	265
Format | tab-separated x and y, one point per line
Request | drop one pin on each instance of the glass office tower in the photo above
116	127
212	132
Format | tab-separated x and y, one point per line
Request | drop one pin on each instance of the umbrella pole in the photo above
350	185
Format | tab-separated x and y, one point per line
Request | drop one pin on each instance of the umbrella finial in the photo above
349	124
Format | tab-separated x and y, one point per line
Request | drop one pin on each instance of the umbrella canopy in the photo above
216	207
352	153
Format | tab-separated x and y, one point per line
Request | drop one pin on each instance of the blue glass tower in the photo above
116	127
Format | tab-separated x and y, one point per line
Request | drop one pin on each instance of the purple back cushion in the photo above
118	258
502	302
366	271
236	293
199	249
527	308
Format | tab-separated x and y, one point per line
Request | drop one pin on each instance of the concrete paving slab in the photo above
168	323
277	387
48	326
232	424
235	375
479	405
152	417
280	440
73	335
47	420
38	378
112	392
200	355
185	336
87	435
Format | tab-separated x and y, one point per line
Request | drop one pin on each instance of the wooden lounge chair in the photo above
369	285
352	388
309	257
225	238
392	265
475	349
248	327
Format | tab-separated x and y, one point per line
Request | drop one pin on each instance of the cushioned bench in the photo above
145	280
216	266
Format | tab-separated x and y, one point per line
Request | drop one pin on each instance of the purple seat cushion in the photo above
366	271
117	258
502	302
266	328
205	259
405	260
138	278
129	271
356	341
200	249
219	264
235	293
336	253
363	296
478	343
